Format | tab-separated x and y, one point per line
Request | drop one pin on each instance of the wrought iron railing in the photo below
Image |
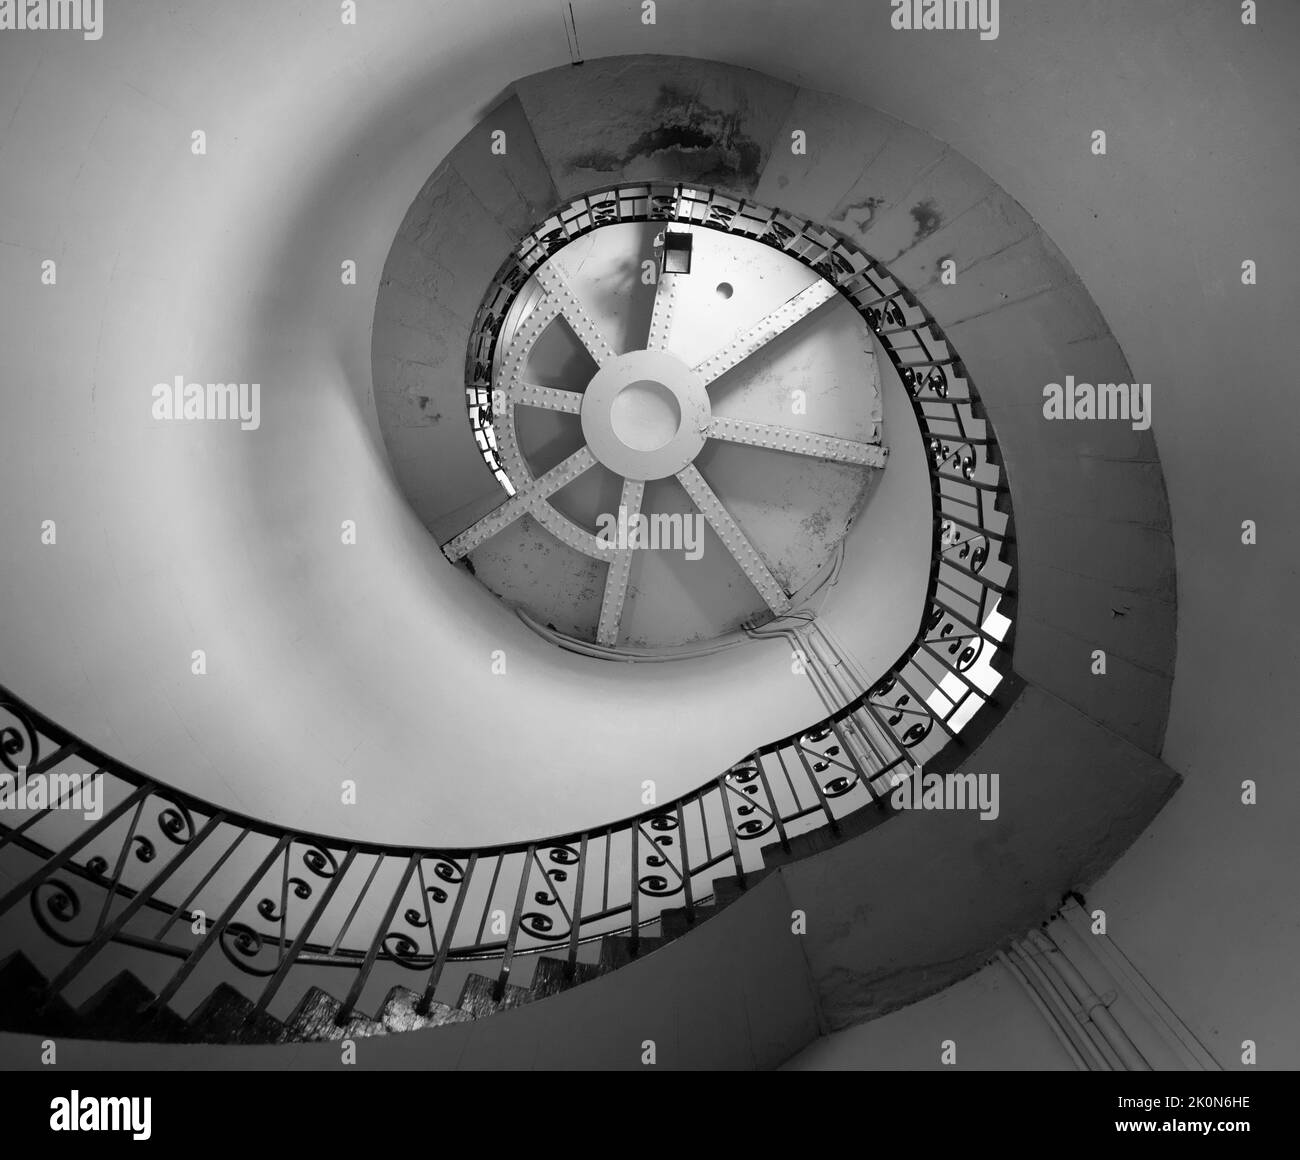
165	872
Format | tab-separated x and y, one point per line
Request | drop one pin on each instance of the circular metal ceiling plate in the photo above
727	413
645	415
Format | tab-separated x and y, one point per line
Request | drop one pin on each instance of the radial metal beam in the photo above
546	398
523	503
766	329
620	568
798	442
737	543
575	314
661	318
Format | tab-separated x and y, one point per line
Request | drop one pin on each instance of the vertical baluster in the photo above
122	854
356	905
604	894
771	801
840	669
817	788
423	888
951	667
688	892
636	892
284	908
704	825
109	930
448	934
798	803
571	966
731	831
862	775
289	959
215	930
184	905
487	906
880	737
9	834
367	965
927	711
58	861
499	990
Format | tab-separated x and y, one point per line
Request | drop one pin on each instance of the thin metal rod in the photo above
817	788
363	975
218	928
288	960
515	921
108	930
487	906
636	891
731	832
776	811
356	904
9	834
572	962
56	863
193	894
449	932
686	866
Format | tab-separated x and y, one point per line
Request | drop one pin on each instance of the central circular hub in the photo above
645	415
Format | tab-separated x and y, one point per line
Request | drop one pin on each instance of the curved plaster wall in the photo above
370	662
374	662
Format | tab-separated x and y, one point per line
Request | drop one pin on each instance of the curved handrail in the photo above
274	899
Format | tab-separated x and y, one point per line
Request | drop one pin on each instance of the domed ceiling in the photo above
684	424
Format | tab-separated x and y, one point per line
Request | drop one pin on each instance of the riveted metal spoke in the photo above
737	543
798	442
765	330
620	568
546	398
575	314
523	503
661	318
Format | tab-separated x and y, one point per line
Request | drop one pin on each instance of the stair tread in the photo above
677	921
228	1015
117	1010
315	1018
728	888
399	1013
616	949
551	976
476	996
22	988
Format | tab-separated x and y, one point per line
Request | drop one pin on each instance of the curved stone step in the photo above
23	1003
619	950
478	996
677	921
316	1018
400	1012
121	1010
551	976
229	1016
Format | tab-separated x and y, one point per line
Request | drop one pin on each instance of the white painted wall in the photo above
324	662
989	1020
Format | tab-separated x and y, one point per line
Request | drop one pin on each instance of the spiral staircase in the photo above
649	912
